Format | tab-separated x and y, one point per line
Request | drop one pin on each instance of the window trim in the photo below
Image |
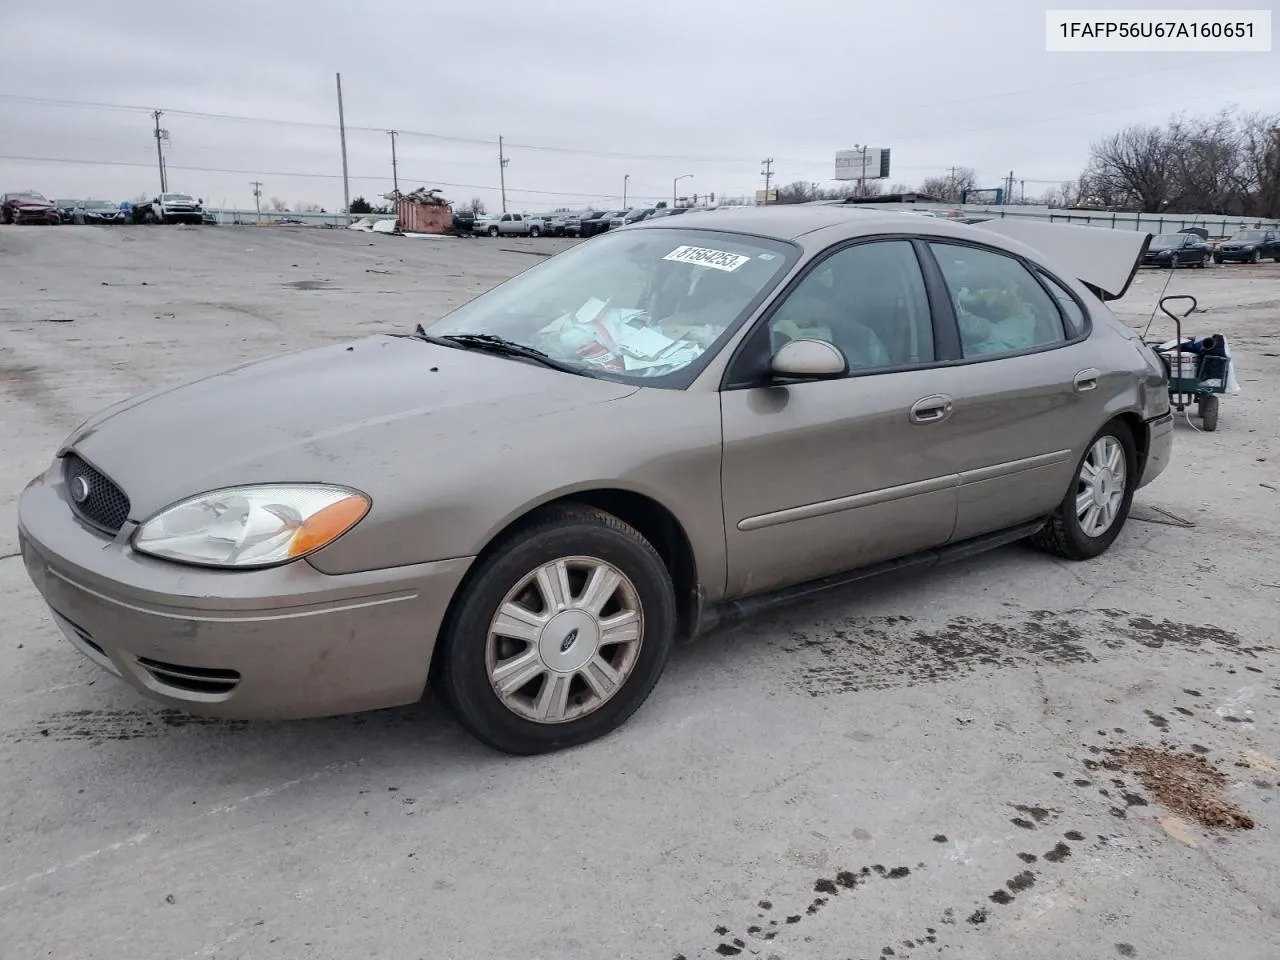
1032	268
736	377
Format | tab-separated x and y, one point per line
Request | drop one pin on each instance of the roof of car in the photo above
788	222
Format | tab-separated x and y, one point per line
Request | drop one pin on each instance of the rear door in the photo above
1032	387
825	476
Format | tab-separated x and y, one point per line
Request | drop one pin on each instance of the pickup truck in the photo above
169	208
512	225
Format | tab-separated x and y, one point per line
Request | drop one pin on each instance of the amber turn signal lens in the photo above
327	525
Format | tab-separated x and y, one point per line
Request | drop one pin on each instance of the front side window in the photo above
999	306
638	306
869	300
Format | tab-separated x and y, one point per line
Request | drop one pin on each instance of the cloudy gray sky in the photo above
583	91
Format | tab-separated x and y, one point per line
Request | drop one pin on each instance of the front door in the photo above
1031	398
826	476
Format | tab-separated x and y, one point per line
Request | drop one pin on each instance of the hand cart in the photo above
1197	368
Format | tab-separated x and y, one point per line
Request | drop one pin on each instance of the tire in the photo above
569	538
535	232
1256	258
493	231
1204	262
1063	533
1207	407
1217	260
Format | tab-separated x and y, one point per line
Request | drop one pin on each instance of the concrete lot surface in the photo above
916	768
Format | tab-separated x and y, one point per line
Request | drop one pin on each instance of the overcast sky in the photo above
655	89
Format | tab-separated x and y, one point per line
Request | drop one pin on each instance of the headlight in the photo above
252	526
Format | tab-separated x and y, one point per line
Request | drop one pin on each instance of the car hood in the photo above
1103	259
333	414
33	204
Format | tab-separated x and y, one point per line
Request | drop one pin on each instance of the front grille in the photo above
191	679
106	507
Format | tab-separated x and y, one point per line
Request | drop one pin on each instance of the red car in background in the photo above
28	207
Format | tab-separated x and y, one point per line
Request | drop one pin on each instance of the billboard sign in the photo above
772	198
864	163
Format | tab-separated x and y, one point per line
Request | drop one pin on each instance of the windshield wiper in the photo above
492	343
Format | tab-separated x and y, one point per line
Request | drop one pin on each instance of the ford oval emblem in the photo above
568	641
80	489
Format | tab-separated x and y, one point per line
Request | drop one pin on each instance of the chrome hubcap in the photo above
1102	486
564	640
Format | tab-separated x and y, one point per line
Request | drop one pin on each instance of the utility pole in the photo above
674	181
257	197
502	173
625	178
952	189
395	176
768	175
1008	192
342	132
161	134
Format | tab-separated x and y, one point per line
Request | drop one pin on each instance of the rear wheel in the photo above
1096	506
493	231
534	232
1207	407
561	635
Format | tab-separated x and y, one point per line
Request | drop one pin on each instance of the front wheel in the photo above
561	634
493	231
1096	506
534	232
1256	258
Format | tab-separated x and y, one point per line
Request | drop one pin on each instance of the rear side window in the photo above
999	306
1070	308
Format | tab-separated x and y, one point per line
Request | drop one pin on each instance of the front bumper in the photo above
1236	256
36	216
1159	448
285	642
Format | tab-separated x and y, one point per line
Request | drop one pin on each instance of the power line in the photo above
310	176
657	157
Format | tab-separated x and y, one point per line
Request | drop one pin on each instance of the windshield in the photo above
98	205
30	196
176	197
1166	241
1248	236
638	306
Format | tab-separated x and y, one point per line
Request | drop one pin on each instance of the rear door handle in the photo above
1087	380
931	409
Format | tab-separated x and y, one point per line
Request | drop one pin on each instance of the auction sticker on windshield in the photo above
705	257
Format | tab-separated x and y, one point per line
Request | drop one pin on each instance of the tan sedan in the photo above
532	498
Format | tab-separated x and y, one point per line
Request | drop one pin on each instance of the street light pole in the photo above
625	178
675	181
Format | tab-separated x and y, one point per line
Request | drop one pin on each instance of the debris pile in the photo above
1186	784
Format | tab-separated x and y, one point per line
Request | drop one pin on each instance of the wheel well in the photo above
651	520
1141	437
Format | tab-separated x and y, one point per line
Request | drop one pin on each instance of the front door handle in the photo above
931	409
1087	380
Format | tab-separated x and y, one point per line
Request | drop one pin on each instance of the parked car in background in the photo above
169	208
1249	246
28	207
666	212
513	225
599	224
630	216
464	221
65	208
556	224
1177	250
573	222
731	411
97	211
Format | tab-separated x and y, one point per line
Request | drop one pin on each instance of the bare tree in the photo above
278	205
902	188
1136	167
801	191
1258	170
1206	162
304	206
475	205
949	186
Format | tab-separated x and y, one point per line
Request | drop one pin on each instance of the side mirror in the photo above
809	360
